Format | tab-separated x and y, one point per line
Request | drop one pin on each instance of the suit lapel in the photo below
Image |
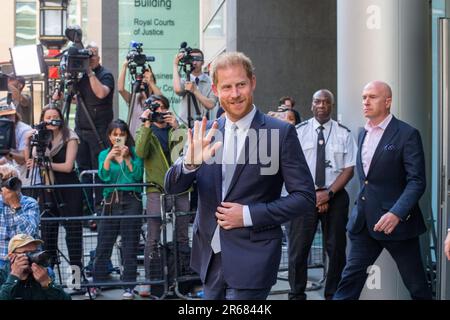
388	134
218	162
245	153
360	168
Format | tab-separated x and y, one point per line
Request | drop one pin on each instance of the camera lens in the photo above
41	258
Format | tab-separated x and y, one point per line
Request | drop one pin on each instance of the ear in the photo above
214	88
253	82
388	102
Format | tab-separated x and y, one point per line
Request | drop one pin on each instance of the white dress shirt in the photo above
340	147
243	125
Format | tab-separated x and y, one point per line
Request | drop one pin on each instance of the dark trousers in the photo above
364	250
301	235
128	203
215	287
68	204
87	157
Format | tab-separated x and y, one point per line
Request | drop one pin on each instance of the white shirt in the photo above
340	147
243	125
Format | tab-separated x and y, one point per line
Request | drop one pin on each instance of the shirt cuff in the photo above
186	170
247	217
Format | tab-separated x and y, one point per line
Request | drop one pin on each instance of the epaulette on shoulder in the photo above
304	123
342	126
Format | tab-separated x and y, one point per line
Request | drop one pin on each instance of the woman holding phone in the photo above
119	164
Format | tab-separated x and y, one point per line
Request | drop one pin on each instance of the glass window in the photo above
208	10
25	23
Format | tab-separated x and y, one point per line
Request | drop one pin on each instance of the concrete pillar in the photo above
386	40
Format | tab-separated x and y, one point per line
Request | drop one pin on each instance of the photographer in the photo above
16	155
289	102
154	144
119	164
23	279
60	154
18	213
21	101
148	86
199	85
97	89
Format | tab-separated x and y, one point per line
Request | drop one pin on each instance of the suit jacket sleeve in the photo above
414	165
298	182
176	181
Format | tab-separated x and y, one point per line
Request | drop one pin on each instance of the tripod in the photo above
187	68
135	89
72	90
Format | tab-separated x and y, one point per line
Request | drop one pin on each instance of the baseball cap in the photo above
21	240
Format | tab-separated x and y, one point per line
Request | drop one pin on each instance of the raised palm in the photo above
200	148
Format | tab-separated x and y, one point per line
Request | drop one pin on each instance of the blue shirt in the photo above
25	220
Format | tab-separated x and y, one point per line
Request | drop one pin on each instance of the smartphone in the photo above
119	141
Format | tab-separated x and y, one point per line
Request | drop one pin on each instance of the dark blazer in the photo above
250	256
394	183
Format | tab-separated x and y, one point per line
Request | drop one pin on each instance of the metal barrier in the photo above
173	274
170	278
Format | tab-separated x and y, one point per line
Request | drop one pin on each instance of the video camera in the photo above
42	138
188	59
75	59
136	57
41	258
155	116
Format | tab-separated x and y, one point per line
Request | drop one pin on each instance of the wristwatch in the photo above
49	283
91	74
330	194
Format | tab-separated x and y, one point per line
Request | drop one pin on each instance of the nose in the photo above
235	92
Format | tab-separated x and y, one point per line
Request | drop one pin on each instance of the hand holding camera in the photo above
35	263
20	266
171	120
40	274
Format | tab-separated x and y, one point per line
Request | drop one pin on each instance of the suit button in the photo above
366	182
363	198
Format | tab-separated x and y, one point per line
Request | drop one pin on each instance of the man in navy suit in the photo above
236	233
391	169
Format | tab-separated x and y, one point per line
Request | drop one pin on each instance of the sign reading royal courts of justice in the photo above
161	26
